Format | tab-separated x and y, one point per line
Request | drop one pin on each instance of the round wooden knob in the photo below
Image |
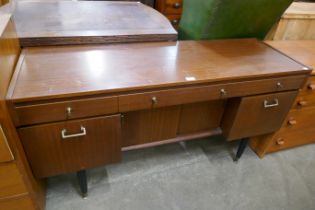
280	141
302	103
311	86
292	122
176	5
154	100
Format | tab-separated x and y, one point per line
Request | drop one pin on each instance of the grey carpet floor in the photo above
198	176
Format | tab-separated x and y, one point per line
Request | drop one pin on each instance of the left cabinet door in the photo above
70	146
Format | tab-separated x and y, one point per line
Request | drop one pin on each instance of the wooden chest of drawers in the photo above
172	9
298	128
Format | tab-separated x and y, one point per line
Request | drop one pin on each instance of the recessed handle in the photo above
176	5
64	134
267	104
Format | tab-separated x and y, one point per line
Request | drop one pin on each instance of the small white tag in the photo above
190	78
305	68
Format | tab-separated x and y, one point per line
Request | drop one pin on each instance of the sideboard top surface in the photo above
80	22
59	72
301	50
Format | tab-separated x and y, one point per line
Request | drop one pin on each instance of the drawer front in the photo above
309	87
173	7
298	120
178	96
11	182
71	146
174	19
51	112
298	129
256	115
291	139
304	101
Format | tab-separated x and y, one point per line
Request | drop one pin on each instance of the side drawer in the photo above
174	19
176	96
11	182
71	146
256	115
51	112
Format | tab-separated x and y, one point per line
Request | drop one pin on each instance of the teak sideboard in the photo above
78	107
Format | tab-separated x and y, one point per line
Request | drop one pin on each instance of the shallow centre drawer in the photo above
186	95
70	146
72	109
256	115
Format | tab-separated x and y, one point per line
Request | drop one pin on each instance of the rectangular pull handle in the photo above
64	134
268	105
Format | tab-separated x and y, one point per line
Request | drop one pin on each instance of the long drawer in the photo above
71	146
11	182
176	96
57	111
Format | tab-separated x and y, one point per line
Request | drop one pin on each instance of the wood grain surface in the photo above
59	72
89	22
301	50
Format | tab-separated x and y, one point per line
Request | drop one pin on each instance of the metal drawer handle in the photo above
154	100
65	136
275	103
176	5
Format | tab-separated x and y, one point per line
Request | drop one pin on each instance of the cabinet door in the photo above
256	115
71	146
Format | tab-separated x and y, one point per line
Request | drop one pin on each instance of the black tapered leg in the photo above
82	179
241	148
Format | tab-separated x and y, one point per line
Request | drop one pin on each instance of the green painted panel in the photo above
222	19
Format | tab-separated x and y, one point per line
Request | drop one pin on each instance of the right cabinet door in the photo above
256	115
71	146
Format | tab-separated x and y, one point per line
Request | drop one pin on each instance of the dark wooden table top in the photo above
56	72
301	50
89	22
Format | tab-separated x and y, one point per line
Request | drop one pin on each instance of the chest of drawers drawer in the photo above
162	98
58	111
69	146
298	129
309	87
